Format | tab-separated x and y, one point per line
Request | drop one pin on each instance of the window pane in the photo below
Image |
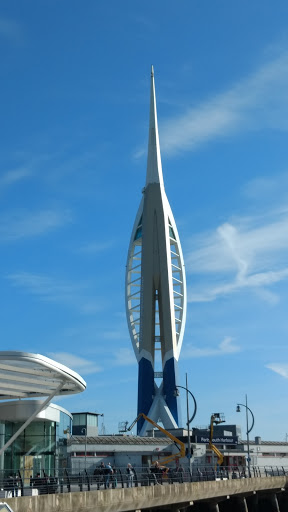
92	421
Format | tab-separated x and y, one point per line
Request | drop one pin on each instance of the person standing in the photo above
114	478
157	472
130	475
107	474
99	474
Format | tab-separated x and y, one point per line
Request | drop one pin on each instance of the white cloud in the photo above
10	29
139	153
252	281
48	288
22	224
115	334
257	102
262	187
95	247
77	163
76	363
266	295
13	176
252	255
225	347
230	237
255	242
91	307
124	357
280	368
78	295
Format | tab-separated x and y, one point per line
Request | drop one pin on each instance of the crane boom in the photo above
179	444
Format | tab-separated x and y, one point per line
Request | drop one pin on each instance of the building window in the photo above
79	419
92	421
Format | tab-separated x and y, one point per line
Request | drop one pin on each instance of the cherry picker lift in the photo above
216	418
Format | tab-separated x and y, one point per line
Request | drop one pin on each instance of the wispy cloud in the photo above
64	167
251	255
124	357
46	287
225	347
267	188
76	363
78	295
257	102
90	306
53	167
22	224
10	29
118	333
254	281
138	153
14	176
280	368
95	247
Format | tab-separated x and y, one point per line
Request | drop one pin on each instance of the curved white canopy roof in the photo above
25	375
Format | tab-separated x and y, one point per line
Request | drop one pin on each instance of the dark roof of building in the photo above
265	443
124	440
88	413
137	440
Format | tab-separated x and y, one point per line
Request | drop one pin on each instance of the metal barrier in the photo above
14	485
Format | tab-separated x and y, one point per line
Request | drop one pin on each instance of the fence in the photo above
15	485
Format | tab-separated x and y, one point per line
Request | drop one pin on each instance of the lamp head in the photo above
176	392
238	408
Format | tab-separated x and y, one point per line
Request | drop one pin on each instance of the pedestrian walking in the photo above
130	475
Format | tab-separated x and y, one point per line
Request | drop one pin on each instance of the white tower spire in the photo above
154	165
156	292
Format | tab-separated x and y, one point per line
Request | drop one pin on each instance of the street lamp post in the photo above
84	430
188	414
248	430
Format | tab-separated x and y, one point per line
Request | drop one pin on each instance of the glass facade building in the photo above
42	446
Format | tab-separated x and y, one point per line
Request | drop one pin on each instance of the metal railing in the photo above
16	484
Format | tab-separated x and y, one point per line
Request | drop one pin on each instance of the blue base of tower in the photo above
146	389
170	378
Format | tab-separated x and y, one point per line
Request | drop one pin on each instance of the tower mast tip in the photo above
152	71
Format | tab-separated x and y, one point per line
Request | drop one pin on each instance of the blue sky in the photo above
74	84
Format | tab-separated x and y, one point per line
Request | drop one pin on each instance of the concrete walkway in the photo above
171	497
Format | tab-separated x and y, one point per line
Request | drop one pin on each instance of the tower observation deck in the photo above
156	292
